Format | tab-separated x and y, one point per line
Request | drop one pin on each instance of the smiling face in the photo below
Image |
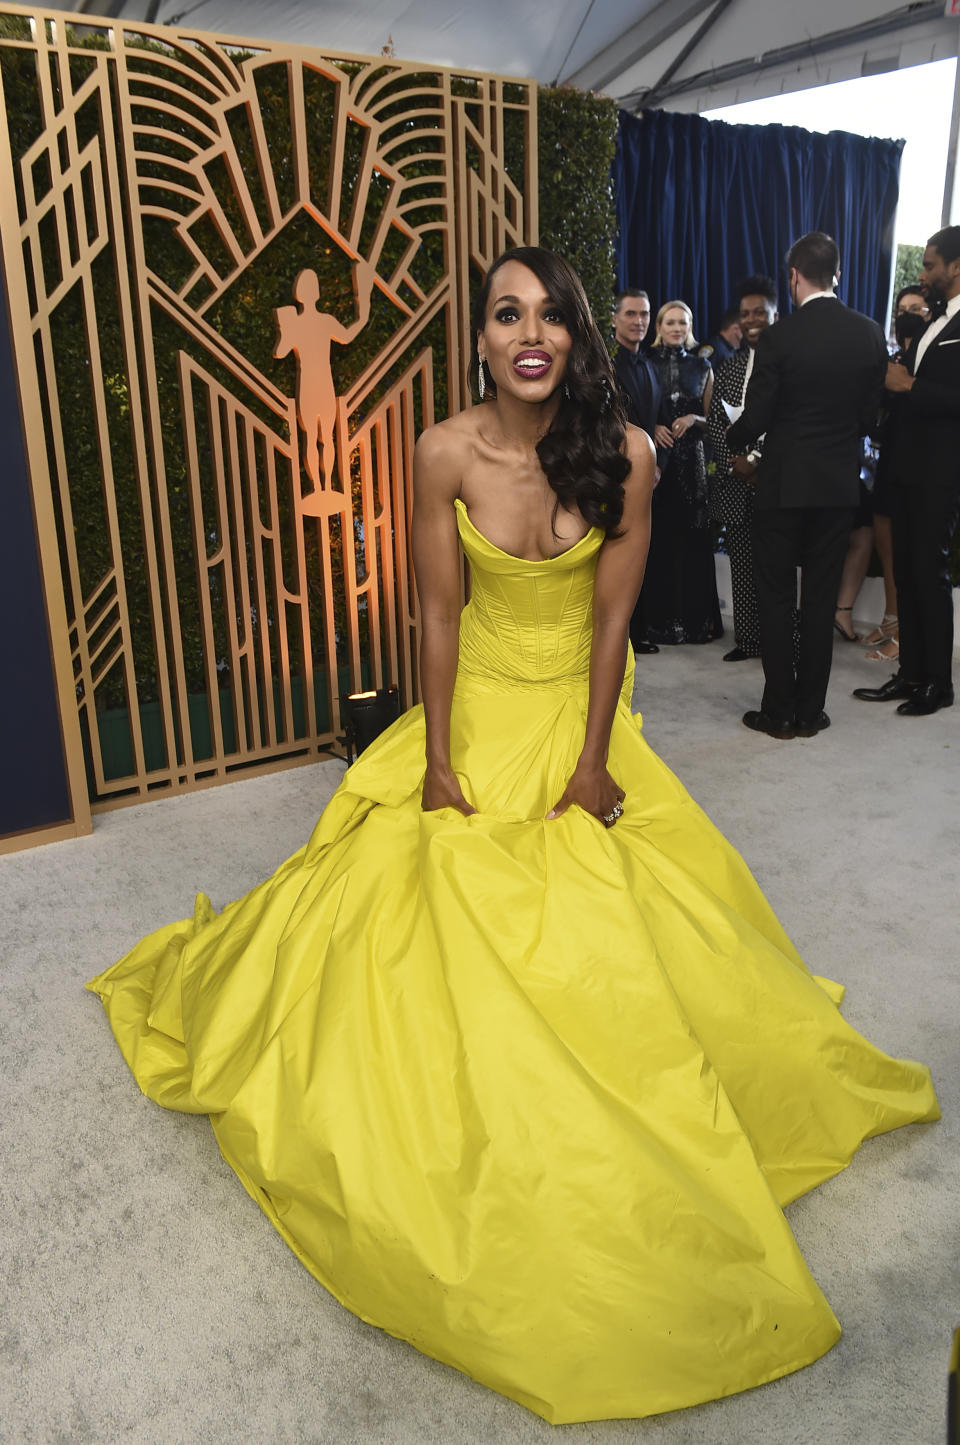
756	314
630	321
674	327
524	341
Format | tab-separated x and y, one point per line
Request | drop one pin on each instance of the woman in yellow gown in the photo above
513	1053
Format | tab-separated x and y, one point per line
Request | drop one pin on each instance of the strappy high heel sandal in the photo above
877	654
885	631
850	636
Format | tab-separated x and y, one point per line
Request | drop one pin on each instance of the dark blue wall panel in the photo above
33	774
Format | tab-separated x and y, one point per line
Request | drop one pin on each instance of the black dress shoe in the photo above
644	648
737	654
925	700
893	688
773	727
810	729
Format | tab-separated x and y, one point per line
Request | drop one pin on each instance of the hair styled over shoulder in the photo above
581	452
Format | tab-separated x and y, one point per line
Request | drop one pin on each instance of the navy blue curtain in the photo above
701	204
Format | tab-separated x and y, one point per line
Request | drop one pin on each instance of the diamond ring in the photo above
610	818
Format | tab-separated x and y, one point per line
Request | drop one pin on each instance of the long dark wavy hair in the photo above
581	452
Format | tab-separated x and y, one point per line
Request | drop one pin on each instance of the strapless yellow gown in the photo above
527	1094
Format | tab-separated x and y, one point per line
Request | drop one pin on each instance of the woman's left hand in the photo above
592	789
683	424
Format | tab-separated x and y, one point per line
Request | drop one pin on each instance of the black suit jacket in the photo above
815	390
928	435
642	411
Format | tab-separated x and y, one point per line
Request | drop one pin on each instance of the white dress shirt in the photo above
934	329
748	373
818	295
753	455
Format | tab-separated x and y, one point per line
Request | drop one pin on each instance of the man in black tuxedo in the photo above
636	373
815	390
926	493
640	387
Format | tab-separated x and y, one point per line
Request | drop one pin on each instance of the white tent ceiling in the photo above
712	52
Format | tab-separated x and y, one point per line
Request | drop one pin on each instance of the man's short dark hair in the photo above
728	317
946	242
817	257
629	291
764	286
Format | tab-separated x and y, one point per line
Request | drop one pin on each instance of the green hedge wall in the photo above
577	138
577	135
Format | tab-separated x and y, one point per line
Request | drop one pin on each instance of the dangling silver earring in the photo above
481	384
566	391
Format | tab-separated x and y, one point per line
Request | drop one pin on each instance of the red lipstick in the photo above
532	364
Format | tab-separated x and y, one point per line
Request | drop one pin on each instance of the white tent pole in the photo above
951	200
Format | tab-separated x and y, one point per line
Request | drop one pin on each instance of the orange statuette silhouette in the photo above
309	333
229	603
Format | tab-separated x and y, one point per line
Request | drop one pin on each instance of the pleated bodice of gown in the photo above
528	623
528	1093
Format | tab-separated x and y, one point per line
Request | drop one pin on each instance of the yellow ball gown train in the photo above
527	1094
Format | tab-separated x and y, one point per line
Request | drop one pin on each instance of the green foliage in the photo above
577	137
907	268
15	27
244	316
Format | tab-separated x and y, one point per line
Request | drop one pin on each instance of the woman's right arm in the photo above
436	561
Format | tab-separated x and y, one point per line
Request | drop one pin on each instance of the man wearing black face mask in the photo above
926	492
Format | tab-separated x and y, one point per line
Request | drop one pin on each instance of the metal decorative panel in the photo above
239	277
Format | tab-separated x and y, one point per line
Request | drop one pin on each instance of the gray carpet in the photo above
146	1299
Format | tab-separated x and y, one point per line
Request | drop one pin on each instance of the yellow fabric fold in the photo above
528	1094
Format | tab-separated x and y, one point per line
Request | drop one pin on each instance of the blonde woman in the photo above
679	596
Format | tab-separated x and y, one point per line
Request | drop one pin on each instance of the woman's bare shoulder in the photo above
448	440
638	448
639	481
442	457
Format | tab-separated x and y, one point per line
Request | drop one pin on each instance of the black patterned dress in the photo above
731	502
679	594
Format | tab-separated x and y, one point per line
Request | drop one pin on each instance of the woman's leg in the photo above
884	640
855	567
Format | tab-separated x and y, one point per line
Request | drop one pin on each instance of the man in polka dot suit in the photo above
731	488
